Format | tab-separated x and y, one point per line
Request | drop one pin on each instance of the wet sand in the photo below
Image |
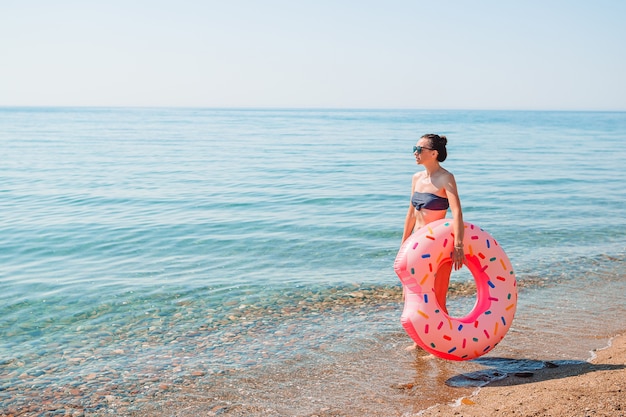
561	388
596	388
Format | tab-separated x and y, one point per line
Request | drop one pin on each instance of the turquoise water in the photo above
144	248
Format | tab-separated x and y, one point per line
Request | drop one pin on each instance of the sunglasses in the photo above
419	149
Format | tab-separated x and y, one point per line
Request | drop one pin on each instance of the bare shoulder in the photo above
447	176
446	180
446	173
417	176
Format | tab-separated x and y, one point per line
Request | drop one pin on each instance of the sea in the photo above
191	261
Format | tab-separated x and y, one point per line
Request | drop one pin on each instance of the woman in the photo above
433	191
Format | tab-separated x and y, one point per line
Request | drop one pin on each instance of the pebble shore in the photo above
190	350
118	371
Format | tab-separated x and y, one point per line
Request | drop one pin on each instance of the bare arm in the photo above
409	221
457	220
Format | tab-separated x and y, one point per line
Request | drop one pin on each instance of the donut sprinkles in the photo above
425	256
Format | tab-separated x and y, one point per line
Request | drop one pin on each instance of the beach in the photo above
593	388
596	388
582	388
577	388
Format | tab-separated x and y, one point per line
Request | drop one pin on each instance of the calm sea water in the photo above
146	250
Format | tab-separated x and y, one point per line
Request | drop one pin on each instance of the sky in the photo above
404	54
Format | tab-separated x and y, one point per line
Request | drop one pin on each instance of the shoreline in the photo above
596	387
593	387
572	388
379	379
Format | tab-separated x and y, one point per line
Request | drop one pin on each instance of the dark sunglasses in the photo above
418	149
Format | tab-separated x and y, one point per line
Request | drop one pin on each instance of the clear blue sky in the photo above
500	54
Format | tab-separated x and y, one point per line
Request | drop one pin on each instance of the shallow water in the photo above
241	260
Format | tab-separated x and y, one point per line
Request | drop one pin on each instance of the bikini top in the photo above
429	201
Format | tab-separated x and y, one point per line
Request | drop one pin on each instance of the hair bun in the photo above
438	142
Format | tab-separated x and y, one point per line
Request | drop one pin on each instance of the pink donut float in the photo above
426	256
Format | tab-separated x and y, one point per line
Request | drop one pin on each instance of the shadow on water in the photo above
510	372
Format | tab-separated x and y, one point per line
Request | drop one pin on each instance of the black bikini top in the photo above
429	201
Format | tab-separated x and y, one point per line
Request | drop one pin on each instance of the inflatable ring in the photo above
426	256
